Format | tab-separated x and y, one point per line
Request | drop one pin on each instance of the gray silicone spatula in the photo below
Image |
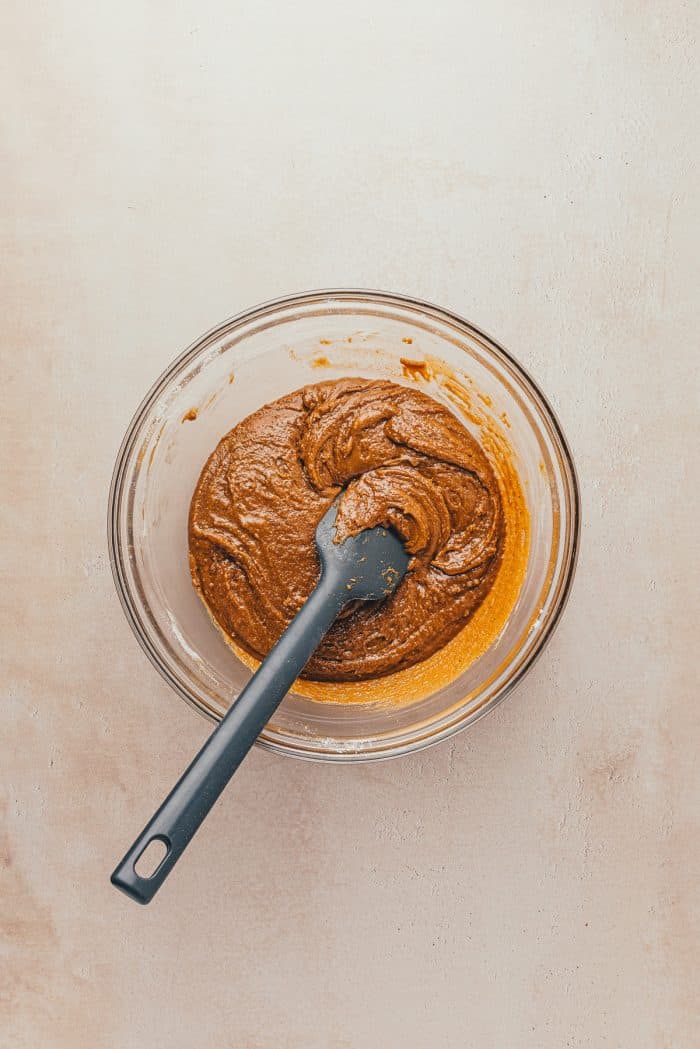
367	567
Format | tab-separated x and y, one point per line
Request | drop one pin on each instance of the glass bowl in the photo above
254	358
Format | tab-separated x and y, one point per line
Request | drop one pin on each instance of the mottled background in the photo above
532	883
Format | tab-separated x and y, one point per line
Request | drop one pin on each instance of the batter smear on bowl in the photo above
397	458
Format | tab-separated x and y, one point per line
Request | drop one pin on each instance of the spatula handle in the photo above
176	821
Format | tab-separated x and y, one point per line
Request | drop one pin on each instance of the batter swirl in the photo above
399	459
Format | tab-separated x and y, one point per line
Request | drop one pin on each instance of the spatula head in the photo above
372	564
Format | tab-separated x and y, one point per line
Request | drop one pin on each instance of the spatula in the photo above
366	567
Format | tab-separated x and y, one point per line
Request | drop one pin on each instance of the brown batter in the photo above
404	461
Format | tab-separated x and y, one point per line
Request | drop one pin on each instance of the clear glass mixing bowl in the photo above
252	359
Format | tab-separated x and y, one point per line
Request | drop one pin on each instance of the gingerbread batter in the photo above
399	459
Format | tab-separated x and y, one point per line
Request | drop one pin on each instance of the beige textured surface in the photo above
533	883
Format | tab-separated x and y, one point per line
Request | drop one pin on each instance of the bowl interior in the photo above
254	359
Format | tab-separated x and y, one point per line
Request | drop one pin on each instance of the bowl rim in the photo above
571	513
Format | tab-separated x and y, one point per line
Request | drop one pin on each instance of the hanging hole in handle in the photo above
150	859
